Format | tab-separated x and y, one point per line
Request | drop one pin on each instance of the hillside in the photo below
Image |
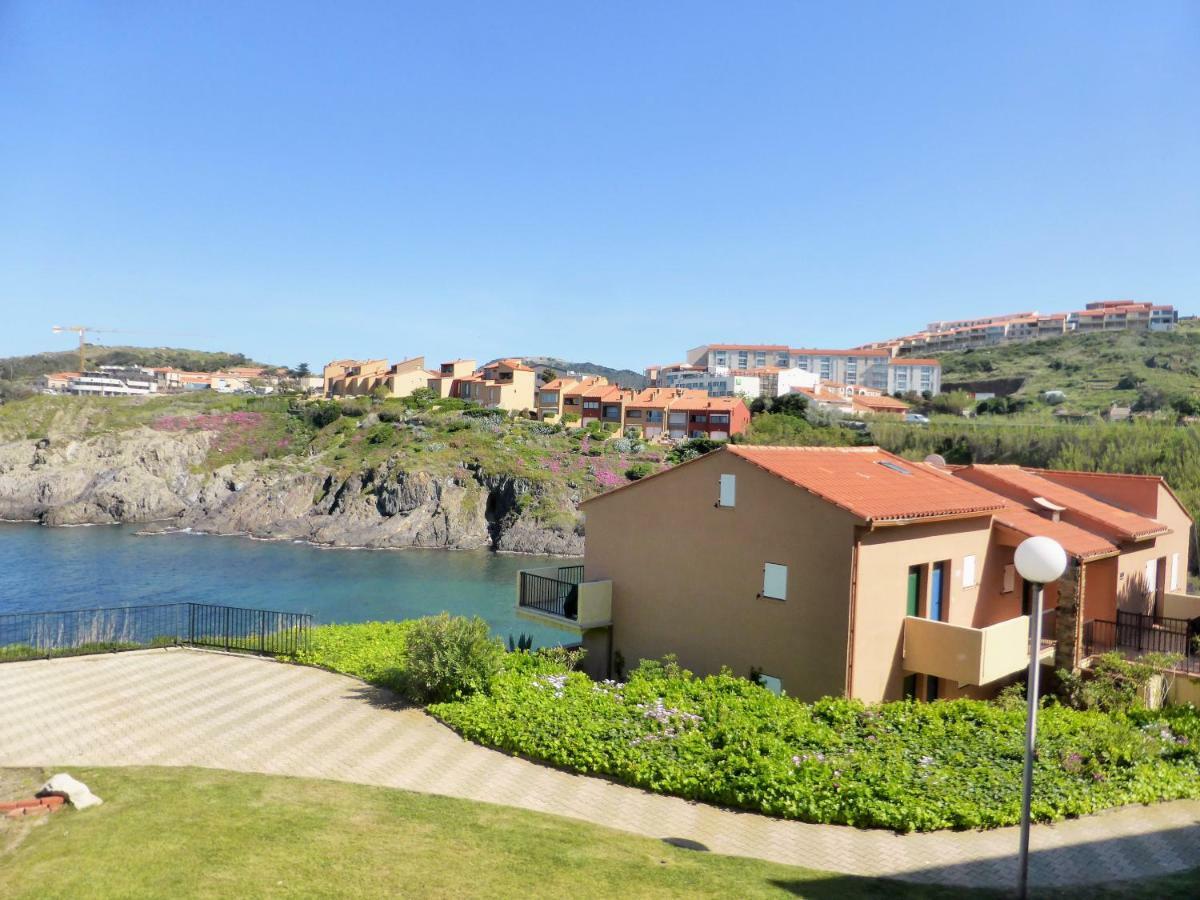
623	377
29	368
394	473
1093	370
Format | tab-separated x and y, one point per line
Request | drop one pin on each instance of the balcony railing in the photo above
560	592
1134	635
970	655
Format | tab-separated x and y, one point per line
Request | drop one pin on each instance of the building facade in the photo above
850	571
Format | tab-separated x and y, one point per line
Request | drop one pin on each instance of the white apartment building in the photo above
719	383
110	384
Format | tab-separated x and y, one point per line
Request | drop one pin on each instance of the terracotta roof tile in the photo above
1076	541
1027	484
871	483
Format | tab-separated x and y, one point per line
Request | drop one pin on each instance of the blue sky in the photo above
613	182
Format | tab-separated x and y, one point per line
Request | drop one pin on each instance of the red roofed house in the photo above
851	571
506	384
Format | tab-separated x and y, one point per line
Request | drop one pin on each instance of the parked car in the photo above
916	419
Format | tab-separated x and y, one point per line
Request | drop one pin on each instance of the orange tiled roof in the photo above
910	361
871	483
1027	484
879	402
807	352
747	347
1076	541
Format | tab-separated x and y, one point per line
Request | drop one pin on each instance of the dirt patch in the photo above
17	784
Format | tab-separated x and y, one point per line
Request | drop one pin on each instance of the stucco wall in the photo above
885	556
686	575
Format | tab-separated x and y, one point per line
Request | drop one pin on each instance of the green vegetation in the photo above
29	368
450	657
1093	370
903	766
371	651
205	833
13	652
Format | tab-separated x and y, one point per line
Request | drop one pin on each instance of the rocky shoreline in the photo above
148	477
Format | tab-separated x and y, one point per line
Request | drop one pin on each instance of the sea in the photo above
113	565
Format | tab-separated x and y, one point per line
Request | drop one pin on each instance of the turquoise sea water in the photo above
79	568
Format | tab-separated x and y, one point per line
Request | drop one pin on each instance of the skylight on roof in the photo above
895	467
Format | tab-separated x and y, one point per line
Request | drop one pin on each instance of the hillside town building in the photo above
851	571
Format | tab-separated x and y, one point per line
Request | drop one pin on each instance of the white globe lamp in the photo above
1040	561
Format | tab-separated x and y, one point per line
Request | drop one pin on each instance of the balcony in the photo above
559	595
1133	635
971	655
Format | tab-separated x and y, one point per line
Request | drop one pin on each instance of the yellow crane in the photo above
82	331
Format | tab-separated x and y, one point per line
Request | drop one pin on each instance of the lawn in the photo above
205	833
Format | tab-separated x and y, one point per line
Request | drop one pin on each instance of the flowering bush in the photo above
904	766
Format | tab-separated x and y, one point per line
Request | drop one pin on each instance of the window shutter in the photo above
1174	571
774	581
728	490
968	575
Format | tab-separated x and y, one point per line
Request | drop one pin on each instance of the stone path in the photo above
192	708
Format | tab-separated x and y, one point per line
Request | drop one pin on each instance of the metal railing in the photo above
1134	635
75	632
551	595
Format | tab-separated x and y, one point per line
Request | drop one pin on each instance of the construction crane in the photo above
82	331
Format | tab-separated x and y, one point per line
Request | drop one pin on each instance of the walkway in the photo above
191	708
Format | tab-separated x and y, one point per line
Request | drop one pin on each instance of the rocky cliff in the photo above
157	478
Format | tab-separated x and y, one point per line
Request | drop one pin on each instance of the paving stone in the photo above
193	708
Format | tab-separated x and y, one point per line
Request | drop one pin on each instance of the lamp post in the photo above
1039	560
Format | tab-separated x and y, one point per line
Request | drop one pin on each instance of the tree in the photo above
301	371
548	375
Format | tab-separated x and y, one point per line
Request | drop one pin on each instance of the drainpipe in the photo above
852	612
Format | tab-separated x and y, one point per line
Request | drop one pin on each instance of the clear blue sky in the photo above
605	181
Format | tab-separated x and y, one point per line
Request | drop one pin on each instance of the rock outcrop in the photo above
150	477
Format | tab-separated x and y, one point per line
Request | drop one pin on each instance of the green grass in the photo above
1088	367
205	833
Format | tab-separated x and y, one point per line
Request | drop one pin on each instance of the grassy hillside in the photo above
1094	370
28	368
440	437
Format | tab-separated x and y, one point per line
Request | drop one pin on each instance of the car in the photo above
916	419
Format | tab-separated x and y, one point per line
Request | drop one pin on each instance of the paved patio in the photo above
192	708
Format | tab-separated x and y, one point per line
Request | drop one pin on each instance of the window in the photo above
774	581
633	414
591	404
1010	580
699	418
719	419
968	571
728	491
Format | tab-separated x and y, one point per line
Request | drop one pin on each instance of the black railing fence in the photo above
37	635
1133	635
551	595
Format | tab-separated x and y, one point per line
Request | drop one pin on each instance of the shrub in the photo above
567	418
1113	684
904	766
372	651
450	657
691	449
638	471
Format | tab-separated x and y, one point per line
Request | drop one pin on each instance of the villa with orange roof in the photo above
506	384
852	571
356	378
551	396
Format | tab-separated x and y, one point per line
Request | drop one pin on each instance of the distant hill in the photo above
29	368
624	377
1093	370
